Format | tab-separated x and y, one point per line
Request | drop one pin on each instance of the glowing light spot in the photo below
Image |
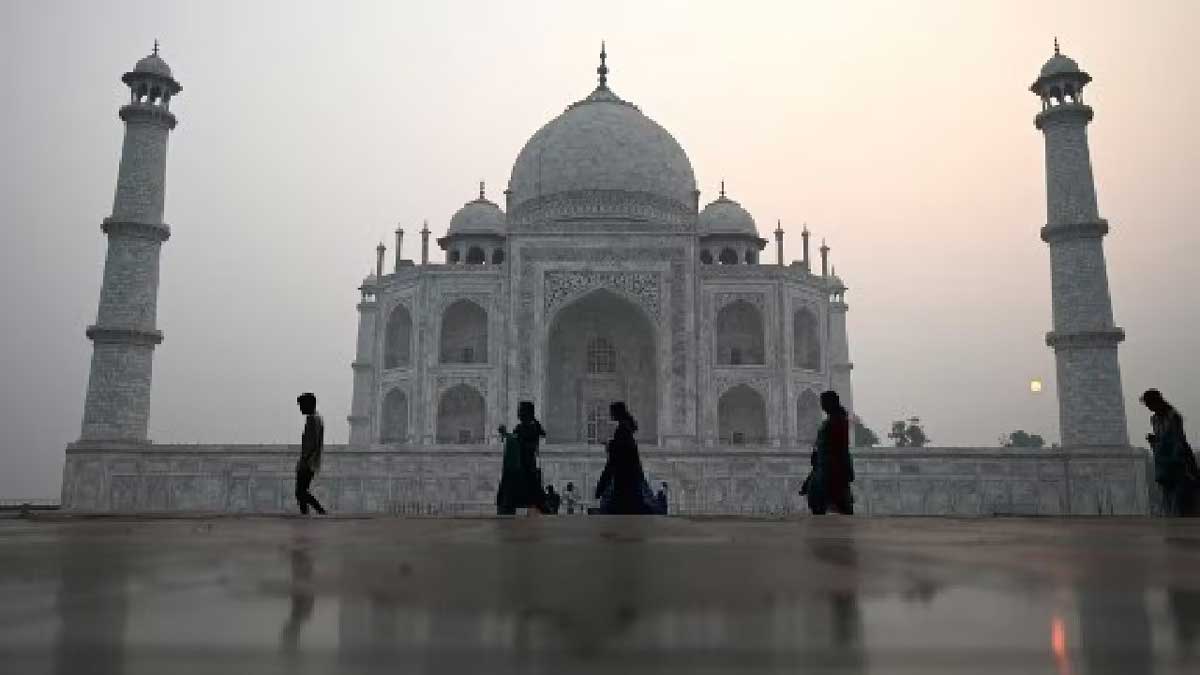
1035	386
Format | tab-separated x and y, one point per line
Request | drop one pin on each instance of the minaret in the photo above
779	242
1091	405
839	346
364	373
124	336
425	243
399	247
824	259
804	235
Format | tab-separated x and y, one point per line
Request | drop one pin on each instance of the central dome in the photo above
602	151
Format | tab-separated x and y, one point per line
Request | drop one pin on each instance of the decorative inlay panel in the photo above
560	287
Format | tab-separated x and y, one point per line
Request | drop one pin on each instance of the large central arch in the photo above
601	348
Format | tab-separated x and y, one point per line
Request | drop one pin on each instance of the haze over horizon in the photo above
900	132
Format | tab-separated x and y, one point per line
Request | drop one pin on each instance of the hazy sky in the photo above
901	131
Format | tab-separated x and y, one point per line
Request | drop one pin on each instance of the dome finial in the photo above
602	71
481	197
722	188
156	46
1056	52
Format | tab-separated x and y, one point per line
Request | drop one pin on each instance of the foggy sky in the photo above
901	132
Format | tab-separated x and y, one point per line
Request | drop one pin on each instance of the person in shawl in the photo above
1175	468
622	488
521	480
828	486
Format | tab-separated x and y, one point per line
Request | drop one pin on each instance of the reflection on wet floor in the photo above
585	595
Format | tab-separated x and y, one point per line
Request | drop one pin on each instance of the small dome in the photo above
725	216
154	65
478	216
1059	65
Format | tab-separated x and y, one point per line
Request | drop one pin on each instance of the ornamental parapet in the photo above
1058	232
1092	339
1066	113
148	114
127	228
124	336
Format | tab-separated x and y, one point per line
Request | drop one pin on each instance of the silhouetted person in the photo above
1175	468
521	482
661	499
622	488
312	440
511	477
829	484
571	498
553	500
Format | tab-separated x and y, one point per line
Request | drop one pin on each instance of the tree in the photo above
1021	439
909	434
863	436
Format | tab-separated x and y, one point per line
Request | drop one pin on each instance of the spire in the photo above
481	192
602	71
155	46
1056	52
722	188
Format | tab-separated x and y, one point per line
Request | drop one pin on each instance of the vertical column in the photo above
361	403
1084	339
117	405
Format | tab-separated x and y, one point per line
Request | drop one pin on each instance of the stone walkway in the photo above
581	595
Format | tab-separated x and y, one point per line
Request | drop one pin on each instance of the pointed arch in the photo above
740	338
460	415
395	417
806	339
742	417
601	348
464	336
808	417
397	349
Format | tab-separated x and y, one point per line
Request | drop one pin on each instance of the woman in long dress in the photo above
521	480
622	488
833	471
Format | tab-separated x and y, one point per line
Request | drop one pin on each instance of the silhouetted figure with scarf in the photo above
833	470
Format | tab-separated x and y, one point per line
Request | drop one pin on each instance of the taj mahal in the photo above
601	279
600	274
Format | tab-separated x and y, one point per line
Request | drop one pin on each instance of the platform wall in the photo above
462	479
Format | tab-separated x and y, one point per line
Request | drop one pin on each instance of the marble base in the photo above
462	479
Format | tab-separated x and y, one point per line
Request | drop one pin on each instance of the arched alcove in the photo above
397	345
740	334
464	336
808	417
728	256
742	417
706	257
806	340
601	348
395	417
460	415
476	256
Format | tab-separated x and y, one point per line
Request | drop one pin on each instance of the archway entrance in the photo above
601	349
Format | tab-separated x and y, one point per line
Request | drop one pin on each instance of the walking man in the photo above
1175	468
311	442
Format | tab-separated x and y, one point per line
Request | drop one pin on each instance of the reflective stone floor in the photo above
586	594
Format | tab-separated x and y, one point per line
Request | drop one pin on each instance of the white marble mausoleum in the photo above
600	274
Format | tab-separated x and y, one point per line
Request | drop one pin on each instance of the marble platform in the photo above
462	479
634	595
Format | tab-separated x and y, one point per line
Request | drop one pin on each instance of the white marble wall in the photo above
929	481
